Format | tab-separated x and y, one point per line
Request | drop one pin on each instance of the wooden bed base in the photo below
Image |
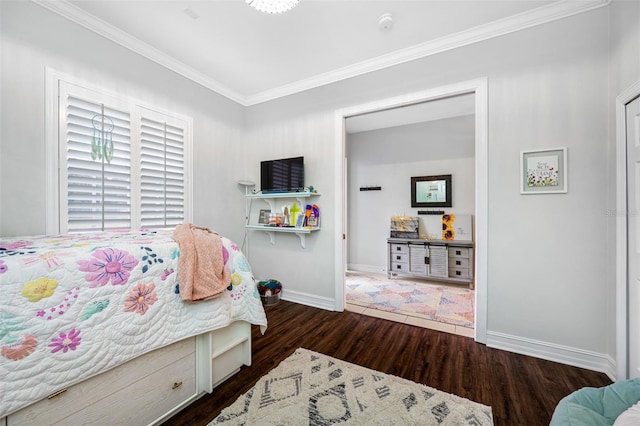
147	389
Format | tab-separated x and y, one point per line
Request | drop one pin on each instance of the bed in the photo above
90	322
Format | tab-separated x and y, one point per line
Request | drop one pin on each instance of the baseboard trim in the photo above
553	352
367	268
312	300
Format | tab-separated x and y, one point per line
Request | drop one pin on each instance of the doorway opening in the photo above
385	151
477	88
627	294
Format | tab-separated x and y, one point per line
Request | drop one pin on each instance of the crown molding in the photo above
92	23
542	15
532	18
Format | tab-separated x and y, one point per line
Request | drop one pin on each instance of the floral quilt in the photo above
73	306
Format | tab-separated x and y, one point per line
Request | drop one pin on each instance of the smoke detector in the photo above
385	22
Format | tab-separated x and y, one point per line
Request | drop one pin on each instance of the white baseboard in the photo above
521	345
552	352
367	268
309	299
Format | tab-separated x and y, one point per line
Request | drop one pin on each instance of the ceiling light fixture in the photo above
272	6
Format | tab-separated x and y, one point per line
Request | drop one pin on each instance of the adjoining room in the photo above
387	151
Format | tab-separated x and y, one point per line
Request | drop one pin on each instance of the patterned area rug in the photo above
309	388
448	304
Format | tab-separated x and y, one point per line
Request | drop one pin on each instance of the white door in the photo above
633	223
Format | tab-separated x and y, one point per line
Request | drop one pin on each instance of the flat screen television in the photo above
282	175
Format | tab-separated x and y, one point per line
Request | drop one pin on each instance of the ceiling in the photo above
251	57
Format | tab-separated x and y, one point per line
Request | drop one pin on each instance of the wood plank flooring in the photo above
521	390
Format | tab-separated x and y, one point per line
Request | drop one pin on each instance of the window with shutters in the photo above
162	174
121	165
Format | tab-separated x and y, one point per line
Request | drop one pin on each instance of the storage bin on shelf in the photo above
269	291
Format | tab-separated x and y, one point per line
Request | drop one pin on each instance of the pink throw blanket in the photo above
202	274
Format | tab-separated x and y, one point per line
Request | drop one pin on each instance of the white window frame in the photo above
54	121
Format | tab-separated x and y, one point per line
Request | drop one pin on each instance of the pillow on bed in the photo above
630	417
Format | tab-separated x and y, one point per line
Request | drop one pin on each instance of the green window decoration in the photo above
102	141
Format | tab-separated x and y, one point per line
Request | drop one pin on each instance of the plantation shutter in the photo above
119	165
97	150
162	170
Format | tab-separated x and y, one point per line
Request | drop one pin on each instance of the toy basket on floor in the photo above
269	292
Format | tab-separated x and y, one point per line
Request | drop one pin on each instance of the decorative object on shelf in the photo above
312	216
272	6
431	191
277	202
276	219
404	227
432	227
543	171
448	231
263	219
448	227
462	224
294	212
307	213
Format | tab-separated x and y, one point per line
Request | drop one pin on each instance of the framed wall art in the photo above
543	171
431	191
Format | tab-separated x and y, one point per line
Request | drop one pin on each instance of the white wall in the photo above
624	50
389	158
548	87
303	272
34	38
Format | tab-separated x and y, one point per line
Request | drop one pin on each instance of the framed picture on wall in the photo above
543	171
431	191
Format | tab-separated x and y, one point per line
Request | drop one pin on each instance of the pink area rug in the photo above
447	304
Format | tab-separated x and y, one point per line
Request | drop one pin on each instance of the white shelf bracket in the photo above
302	240
272	237
271	203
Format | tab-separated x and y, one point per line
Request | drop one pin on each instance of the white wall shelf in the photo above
272	230
272	200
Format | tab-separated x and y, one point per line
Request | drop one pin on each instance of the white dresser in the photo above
440	260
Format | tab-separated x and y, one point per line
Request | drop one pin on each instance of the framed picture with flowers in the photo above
543	171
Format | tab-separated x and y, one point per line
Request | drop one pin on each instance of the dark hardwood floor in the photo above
521	390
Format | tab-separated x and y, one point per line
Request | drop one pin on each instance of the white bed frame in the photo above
149	389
